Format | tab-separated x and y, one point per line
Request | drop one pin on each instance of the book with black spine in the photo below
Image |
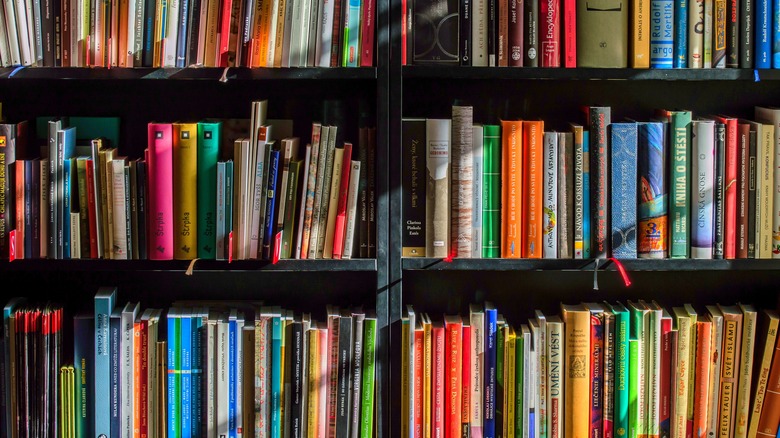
719	199
598	119
297	417
531	34
345	377
464	32
358	316
746	33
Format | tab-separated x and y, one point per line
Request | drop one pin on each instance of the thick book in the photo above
729	377
767	335
532	186
311	184
765	162
160	162
437	213
696	34
743	187
209	135
453	346
434	41
576	319
550	36
771	116
623	205
531	46
652	220
511	188
550	216
703	173
598	121
680	190
462	180
662	34
185	194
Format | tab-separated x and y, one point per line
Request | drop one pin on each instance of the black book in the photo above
150	11
747	33
732	34
492	41
140	173
718	199
371	175
464	32
49	9
35	209
751	198
28	213
531	34
193	27
345	377
436	32
297	416
413	187
362	155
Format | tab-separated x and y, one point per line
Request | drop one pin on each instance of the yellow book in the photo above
765	198
683	324
692	360
745	377
509	382
732	340
185	194
640	37
315	377
427	374
576	320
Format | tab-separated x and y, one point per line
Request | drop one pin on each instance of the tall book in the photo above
579	212
696	34
453	341
771	115
703	173
185	196
209	135
624	145
770	415
719	33
765	156
533	185
489	383
550	214
511	188
662	34
550	37
598	120
767	336
160	162
105	300
746	363
639	55
368	377
462	176
437	214
576	319
730	186
477	206
679	192
713	416
476	364
652	220
531	53
566	196
413	207
341	209
682	322
702	375
729	376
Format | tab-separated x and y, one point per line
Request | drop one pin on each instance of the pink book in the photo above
569	33
367	33
160	163
550	32
341	210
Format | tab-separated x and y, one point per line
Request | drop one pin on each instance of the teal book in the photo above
680	190
105	300
276	375
634	405
368	379
352	34
208	155
621	361
491	186
66	178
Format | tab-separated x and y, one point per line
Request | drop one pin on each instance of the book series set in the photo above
595	369
600	33
678	185
185	33
198	369
267	195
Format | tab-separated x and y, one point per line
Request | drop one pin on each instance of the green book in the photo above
491	192
83	207
367	395
519	381
208	154
290	212
634	405
680	187
621	397
638	327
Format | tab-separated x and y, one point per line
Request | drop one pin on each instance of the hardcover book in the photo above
662	33
550	215
533	185
652	220
209	135
511	188
436	32
160	163
565	215
185	199
702	172
602	34
598	120
437	214
462	168
624	189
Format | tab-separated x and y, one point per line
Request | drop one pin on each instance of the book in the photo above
702	172
639	54
462	180
576	319
437	215
352	211
652	220
160	163
550	38
367	394
662	34
413	210
436	47
702	375
185	179
696	34
550	215
532	187
766	336
598	121
713	416
490	364
746	364
477	206
679	192
566	196
453	329
770	414
511	188
764	196
477	367
209	137
531	35
719	34
770	115
104	302
729	376
624	144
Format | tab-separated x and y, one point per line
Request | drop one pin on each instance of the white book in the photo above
302	189
438	212
258	192
703	190
75	235
325	27
479	33
314	29
5	54
771	115
477	324
210	377
555	377
307	27
708	22
76	29
272	33
352	197
288	30
550	215
171	34
476	211
293	53
462	180
695	34
119	229
222	384
713	414
127	368
318	197
10	17
134	33
22	31
34	31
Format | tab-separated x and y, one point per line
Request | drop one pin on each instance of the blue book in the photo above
8	310
83	366
763	26
661	33
623	176
115	328
586	234
352	34
276	374
174	378
185	348
681	33
271	202
775	33
105	300
491	350
66	216
196	391
181	39
232	362
66	149
653	191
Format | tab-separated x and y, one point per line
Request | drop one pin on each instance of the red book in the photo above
743	187
666	370
550	32
404	36
160	163
92	209
569	33
419	344
515	33
224	33
596	374
438	383
341	210
367	31
453	326
730	184
702	376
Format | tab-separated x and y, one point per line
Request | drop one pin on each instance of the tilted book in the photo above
437	215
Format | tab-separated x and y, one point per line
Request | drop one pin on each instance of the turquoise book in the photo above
661	34
174	375
208	155
228	208
681	33
775	46
680	190
624	189
105	300
352	34
185	349
491	195
66	207
276	375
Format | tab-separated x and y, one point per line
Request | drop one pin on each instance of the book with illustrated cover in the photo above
652	220
550	215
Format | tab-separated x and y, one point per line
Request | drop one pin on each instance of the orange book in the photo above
143	366
419	344
732	339
121	35
770	415
511	188
533	181
702	376
576	371
640	37
453	328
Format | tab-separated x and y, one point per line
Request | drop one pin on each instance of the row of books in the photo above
607	33
183	33
199	369
262	197
678	185
593	369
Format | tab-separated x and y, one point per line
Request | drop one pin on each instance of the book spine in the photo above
367	33
752	200
550	38
207	157
733	23
477	206
719	34
102	364
491	213
465	380
702	376
640	47
775	33
766	163
662	34
7	158
502	34
596	427
531	34
718	188
516	33
533	185
609	375
680	191
550	215
462	177
511	186
624	189
770	415
703	167
464	32
367	394
763	34
437	215
413	238
555	385
452	378
587	229
271	203
577	384
747	33
696	34
185	347
599	121
681	33
653	220
745	380
174	378
477	365
729	376
161	189
622	328
489	422
565	195
743	177
730	189
579	192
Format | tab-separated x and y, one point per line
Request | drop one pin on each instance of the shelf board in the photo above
46	265
433	264
205	73
509	73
